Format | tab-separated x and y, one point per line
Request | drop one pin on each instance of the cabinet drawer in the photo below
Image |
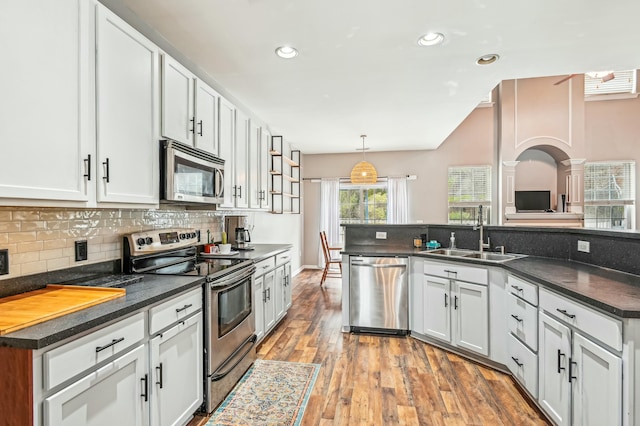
604	328
283	257
66	361
174	310
523	289
522	320
523	364
265	265
461	273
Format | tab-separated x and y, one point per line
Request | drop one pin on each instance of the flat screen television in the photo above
533	201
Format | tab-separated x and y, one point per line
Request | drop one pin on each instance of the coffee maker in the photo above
237	228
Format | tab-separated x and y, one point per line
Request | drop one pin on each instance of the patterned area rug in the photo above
270	393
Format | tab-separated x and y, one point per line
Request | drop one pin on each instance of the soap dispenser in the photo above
452	240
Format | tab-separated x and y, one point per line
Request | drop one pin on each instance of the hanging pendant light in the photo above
363	172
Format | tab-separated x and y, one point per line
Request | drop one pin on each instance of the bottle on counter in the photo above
452	240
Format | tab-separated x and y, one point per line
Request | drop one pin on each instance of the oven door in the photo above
191	175
231	319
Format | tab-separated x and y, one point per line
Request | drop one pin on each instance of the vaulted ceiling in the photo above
361	71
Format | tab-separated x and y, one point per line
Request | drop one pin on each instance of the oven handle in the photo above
219	375
151	268
233	278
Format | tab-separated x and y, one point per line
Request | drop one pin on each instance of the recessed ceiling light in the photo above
286	52
431	39
487	59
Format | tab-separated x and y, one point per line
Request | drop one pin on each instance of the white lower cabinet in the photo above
523	364
115	394
580	380
176	372
269	301
272	292
456	312
258	306
287	292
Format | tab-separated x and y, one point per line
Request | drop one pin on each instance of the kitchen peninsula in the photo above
565	323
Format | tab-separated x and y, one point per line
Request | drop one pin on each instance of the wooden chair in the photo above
328	258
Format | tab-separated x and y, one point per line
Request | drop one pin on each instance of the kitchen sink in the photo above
471	254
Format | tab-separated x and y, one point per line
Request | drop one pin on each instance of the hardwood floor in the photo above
372	380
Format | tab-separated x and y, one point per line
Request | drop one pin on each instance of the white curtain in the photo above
397	200
329	214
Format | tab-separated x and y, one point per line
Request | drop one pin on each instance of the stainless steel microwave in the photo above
190	175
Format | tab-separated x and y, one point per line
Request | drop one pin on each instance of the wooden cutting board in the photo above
26	309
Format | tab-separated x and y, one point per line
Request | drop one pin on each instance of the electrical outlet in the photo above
583	246
381	235
81	250
4	262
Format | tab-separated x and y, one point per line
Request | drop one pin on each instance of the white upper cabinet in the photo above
265	176
206	130
189	107
227	141
127	111
241	161
178	119
46	101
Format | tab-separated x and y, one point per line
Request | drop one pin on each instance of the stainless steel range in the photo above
229	331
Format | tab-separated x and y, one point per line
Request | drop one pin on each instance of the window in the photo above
602	83
363	203
469	187
609	195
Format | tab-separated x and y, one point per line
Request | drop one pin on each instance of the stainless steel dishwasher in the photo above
378	295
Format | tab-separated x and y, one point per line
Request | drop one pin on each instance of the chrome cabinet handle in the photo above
564	312
88	165
108	345
106	174
516	318
517	361
159	382
185	307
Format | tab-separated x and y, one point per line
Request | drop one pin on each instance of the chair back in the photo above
325	246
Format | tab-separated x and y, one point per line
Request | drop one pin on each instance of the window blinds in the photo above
609	183
624	82
469	185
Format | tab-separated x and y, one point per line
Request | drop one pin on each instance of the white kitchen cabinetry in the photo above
522	337
116	393
227	122
126	112
269	301
456	311
241	161
580	378
282	284
287	293
189	107
258	305
176	372
258	168
46	102
272	292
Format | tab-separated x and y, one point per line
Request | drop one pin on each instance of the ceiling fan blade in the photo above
562	80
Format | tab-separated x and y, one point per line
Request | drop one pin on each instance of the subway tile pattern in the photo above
43	239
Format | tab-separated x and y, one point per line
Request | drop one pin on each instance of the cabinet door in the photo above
554	350
471	312
241	161
178	119
127	107
259	300
597	384
288	300
269	304
45	103
265	176
116	394
279	292
206	118
436	308
255	171
227	116
176	372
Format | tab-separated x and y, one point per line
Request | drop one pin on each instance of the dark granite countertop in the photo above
140	295
260	252
615	292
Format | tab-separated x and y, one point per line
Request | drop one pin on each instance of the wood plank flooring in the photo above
372	380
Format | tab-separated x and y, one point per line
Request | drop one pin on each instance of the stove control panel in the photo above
157	240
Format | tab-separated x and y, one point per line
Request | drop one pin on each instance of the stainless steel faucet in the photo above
480	225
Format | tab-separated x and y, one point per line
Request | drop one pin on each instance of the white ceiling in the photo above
360	69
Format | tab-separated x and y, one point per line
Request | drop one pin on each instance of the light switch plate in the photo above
381	235
584	246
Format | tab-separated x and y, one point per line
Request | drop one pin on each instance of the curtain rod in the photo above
347	179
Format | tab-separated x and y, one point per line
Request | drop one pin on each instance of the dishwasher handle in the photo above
381	265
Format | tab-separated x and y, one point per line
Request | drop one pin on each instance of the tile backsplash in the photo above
43	239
